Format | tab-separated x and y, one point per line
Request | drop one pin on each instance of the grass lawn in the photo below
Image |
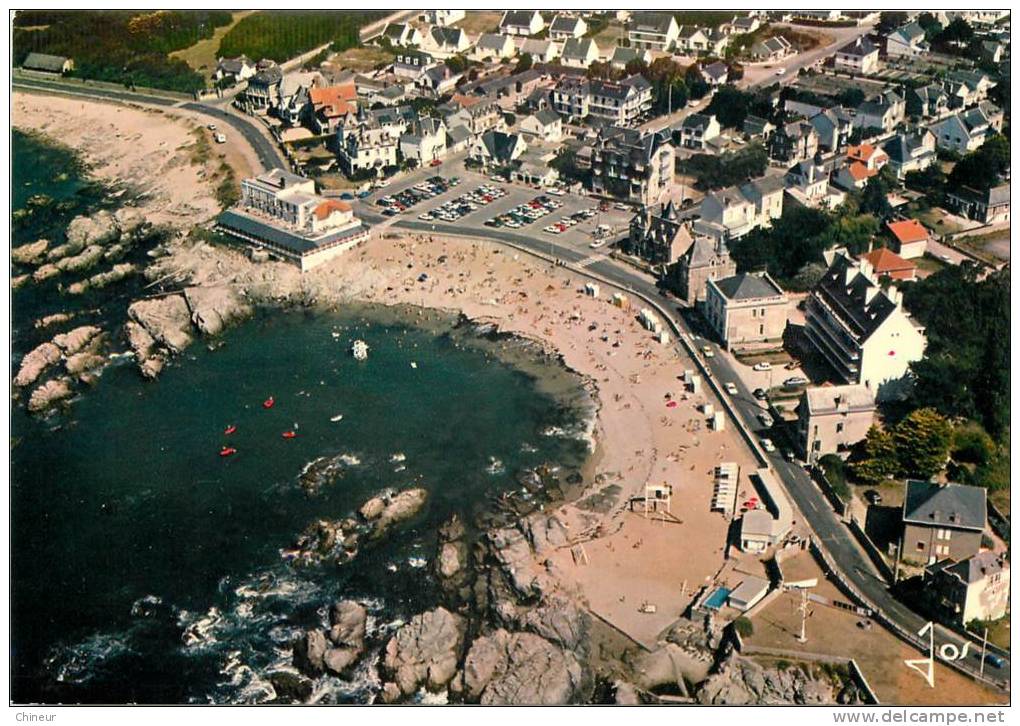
936	219
998	633
610	35
929	264
1000	498
476	22
362	58
202	55
336	181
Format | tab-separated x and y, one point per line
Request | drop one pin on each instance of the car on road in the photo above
211	127
991	659
768	445
789	455
765	419
760	394
763	366
873	497
793	381
436	162
220	138
707	351
731	388
780	71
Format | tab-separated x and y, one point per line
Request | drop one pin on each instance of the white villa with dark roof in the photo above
862	330
746	309
858	56
833	418
522	22
566	26
653	31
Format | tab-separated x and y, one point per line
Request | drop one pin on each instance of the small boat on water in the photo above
227	451
230	429
269	402
338	417
359	350
289	434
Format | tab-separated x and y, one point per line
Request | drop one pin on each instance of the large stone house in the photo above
942	521
731	213
698	130
859	56
632	165
653	31
910	152
706	259
746	309
793	142
833	418
659	237
862	329
612	103
976	588
906	41
990	206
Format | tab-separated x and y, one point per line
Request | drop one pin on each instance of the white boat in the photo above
338	417
359	350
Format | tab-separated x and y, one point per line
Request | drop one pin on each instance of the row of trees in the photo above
128	47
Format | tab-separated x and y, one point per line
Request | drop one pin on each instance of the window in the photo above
839	427
920	546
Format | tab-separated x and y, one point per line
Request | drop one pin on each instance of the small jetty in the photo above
359	350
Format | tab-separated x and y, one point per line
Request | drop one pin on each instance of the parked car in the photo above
707	351
768	445
763	366
795	381
789	455
993	660
765	419
780	71
731	388
873	497
760	394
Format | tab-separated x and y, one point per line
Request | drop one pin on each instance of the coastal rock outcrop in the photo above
425	651
166	319
316	651
741	681
30	253
385	511
35	362
214	308
45	272
75	340
48	394
97	229
309	652
519	668
85	259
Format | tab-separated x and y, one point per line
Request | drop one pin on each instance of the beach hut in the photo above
718	421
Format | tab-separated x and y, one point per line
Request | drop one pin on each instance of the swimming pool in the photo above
717	599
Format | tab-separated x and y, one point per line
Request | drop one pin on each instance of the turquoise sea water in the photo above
146	568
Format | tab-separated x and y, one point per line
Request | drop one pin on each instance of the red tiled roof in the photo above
335	100
329	206
860	172
885	260
908	230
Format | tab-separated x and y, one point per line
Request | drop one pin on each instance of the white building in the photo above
653	31
566	26
859	57
443	17
522	22
862	330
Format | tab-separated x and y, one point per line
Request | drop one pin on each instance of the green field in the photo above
281	35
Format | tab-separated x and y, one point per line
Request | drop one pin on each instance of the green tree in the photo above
524	63
890	20
875	459
972	444
922	442
874	198
983	167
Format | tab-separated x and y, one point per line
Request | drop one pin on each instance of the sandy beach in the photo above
154	153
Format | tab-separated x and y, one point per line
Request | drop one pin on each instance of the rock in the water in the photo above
425	651
45	272
87	258
19	281
450	559
348	620
213	308
309	652
54	319
372	508
520	668
166	319
139	339
83	362
741	681
35	362
75	340
48	394
399	507
98	229
114	274
290	688
29	253
625	694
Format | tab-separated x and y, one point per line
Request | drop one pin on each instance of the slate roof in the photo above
976	568
861	47
746	286
651	22
716	70
564	24
547	116
822	399
44	62
578	48
945	505
517	18
704	251
697	121
861	316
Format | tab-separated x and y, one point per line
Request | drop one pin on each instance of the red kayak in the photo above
229	430
268	403
227	451
289	434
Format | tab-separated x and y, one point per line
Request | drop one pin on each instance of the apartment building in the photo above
746	309
831	419
633	165
612	103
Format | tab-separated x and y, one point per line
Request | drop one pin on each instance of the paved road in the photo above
265	149
759	75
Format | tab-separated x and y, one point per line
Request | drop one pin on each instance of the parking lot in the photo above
451	194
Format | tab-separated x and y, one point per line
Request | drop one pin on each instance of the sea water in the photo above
147	568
